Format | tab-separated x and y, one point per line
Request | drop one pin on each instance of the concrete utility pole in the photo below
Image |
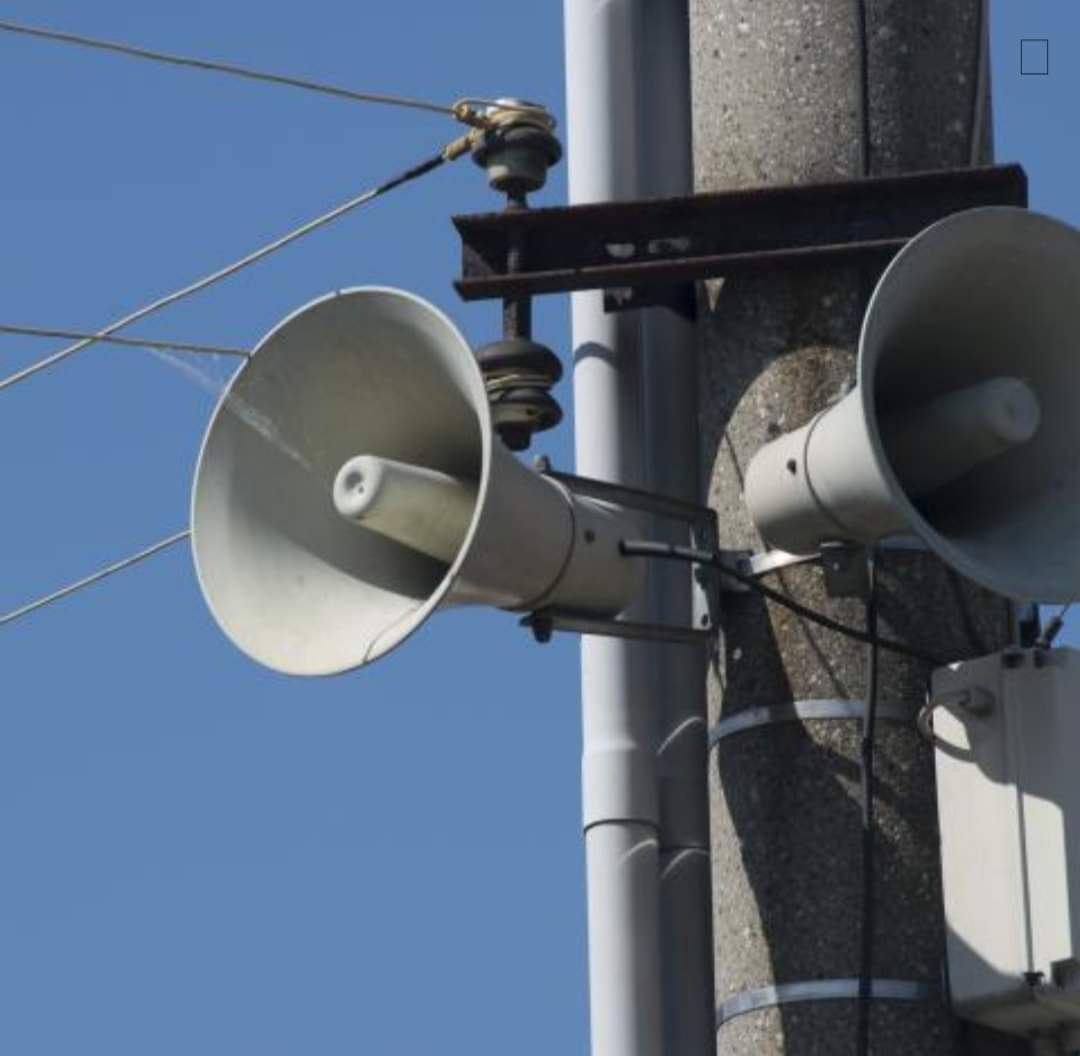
777	99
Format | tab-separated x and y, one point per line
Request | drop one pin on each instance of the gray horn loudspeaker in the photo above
964	425
349	485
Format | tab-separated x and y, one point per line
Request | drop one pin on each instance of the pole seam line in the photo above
766	997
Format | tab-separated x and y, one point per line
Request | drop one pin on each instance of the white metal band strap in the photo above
800	710
822	990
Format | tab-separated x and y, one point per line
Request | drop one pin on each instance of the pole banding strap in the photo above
822	990
801	710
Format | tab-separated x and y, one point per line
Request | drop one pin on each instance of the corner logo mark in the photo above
1034	57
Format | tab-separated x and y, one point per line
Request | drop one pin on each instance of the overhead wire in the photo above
448	153
134	51
94	577
130	342
471	110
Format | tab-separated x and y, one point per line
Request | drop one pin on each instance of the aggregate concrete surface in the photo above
776	90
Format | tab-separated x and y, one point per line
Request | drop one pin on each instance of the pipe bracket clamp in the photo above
802	710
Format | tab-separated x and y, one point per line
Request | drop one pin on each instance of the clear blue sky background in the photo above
198	855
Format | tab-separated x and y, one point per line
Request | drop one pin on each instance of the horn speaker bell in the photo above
964	425
349	485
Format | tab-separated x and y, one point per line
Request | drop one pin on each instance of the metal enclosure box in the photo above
1007	728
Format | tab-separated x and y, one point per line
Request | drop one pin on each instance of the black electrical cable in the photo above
866	781
671	552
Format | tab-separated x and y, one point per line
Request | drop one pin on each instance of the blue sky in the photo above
199	855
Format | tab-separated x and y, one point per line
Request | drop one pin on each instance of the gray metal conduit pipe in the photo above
644	778
619	796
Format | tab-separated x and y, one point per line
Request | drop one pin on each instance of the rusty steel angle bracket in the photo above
640	250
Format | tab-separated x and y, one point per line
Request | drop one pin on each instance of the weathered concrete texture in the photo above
785	821
778	88
776	99
827	1028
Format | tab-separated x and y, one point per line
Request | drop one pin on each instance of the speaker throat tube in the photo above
421	508
936	442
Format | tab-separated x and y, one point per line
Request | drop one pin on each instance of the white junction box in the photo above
1007	728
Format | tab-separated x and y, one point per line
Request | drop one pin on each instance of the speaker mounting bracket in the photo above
545	621
842	563
845	571
699	518
639	251
702	522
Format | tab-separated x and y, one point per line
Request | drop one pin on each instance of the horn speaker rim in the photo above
395	634
1002	579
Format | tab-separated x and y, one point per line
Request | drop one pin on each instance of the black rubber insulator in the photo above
522	354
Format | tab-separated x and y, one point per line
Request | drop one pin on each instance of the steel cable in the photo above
94	577
449	152
226	67
129	342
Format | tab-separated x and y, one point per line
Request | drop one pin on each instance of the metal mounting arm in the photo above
643	248
702	519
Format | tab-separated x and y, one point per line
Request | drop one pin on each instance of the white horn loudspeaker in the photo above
349	485
964	425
